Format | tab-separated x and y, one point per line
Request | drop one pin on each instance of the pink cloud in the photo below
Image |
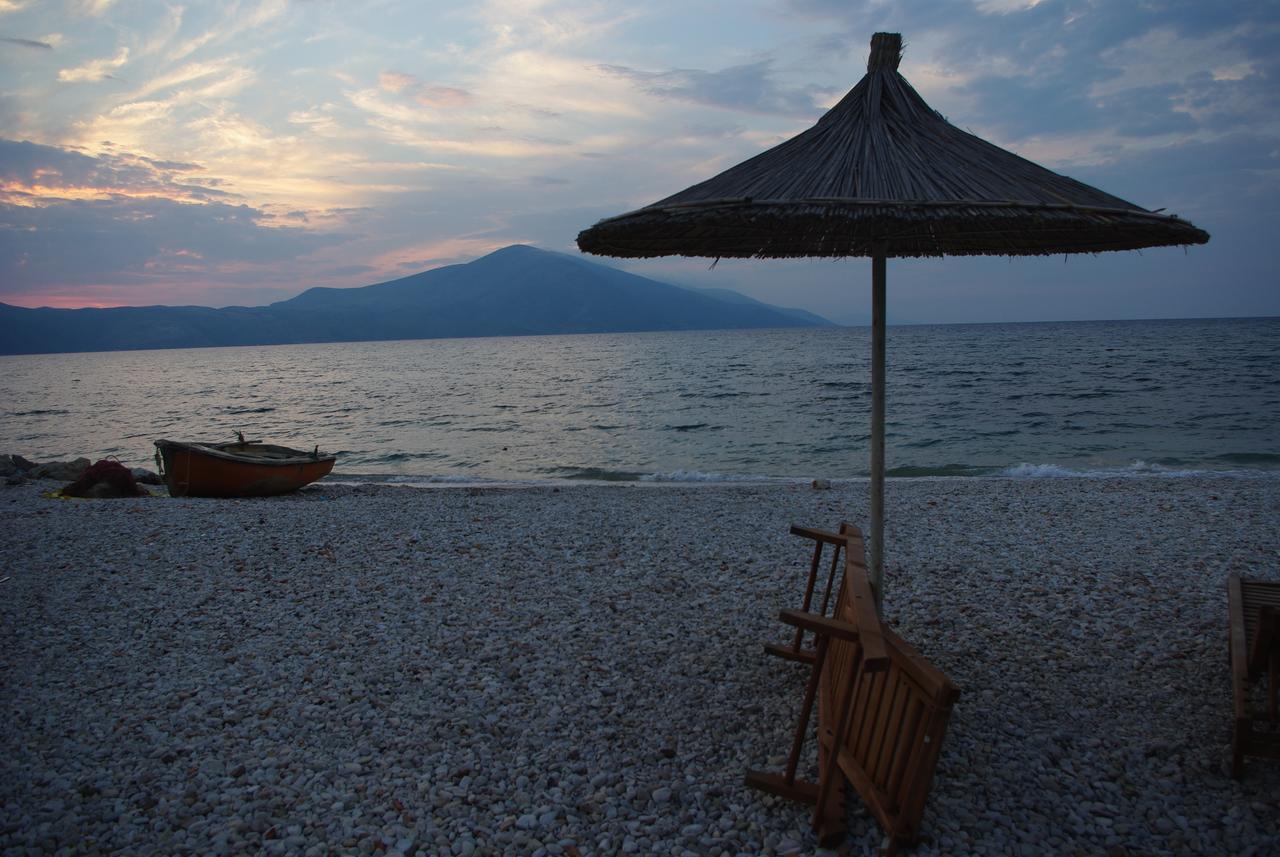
426	94
396	81
441	96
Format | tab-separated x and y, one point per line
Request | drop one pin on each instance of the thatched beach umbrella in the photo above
882	174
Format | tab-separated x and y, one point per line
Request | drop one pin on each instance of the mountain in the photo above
518	290
802	315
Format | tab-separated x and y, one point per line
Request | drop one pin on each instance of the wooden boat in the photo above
237	469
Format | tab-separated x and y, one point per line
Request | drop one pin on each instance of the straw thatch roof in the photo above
882	173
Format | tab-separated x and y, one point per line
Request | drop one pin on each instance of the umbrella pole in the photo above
877	426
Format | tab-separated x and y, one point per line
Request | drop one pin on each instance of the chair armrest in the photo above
821	626
818	535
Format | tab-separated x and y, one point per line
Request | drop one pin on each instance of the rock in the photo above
9	465
146	477
63	471
821	484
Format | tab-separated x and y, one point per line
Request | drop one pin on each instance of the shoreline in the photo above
447	482
577	668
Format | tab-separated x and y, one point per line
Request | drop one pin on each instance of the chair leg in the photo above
787	785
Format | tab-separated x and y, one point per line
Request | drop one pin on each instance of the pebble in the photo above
388	670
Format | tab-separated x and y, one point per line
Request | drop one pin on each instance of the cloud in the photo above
139	240
187	74
68	219
442	96
748	87
514	24
94	70
95	8
1005	7
27	43
238	25
1080	80
424	256
148	115
34	175
428	95
396	81
1235	177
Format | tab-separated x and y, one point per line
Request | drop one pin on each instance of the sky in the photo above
237	153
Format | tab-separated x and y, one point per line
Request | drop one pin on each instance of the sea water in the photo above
1042	399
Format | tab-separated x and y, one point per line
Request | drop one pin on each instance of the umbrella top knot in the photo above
886	52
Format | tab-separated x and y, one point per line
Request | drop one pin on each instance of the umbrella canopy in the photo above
883	174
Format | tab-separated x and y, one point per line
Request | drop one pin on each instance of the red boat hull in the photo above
238	469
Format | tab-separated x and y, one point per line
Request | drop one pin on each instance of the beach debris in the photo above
107	478
821	484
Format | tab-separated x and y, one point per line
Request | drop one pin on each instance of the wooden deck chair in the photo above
882	713
1253	612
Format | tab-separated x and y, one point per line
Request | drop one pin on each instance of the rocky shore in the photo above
577	670
15	469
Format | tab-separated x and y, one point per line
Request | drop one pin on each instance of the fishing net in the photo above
106	478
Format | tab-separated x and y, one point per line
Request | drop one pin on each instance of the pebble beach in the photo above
577	670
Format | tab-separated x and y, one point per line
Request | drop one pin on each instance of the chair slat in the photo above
902	752
885	735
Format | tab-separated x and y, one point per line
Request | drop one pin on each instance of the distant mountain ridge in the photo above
518	290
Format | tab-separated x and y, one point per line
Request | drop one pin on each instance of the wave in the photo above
604	474
241	409
559	475
402	456
701	476
1248	464
598	475
414	481
1133	469
909	471
594	474
1249	458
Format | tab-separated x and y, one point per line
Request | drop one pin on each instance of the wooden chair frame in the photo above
1253	614
882	713
796	650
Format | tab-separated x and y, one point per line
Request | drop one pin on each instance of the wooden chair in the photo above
1253	612
796	649
882	713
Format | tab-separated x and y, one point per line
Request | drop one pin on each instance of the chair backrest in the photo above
894	723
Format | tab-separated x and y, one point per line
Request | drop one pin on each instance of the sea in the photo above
1033	400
